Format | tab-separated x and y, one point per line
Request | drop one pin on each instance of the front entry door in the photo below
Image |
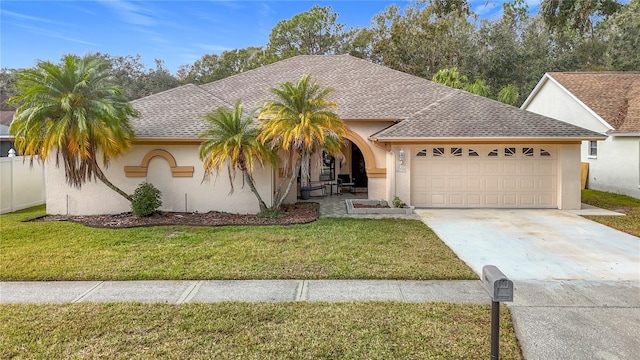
358	168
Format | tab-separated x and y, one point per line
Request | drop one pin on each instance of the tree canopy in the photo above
73	109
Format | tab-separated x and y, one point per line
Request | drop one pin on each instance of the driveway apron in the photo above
577	282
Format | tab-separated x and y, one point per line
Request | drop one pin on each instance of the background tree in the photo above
135	79
8	81
75	110
314	32
231	142
622	35
423	39
578	15
212	67
300	122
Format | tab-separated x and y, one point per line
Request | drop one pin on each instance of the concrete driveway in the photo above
537	244
576	282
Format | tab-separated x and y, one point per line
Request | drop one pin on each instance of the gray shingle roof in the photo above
363	90
175	113
464	115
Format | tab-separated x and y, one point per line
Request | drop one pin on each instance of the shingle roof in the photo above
363	90
465	115
175	113
6	117
614	96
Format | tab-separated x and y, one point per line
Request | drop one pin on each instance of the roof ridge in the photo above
273	64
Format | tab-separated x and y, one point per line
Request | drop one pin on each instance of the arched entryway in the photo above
360	161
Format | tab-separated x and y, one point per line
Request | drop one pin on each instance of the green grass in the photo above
252	331
630	206
330	248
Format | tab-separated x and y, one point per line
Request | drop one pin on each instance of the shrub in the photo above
145	200
398	203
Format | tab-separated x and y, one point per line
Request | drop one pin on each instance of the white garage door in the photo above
509	176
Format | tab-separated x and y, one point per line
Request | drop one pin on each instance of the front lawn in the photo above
626	204
330	248
374	330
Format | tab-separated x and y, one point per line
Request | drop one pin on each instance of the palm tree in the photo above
300	121
508	94
231	141
74	110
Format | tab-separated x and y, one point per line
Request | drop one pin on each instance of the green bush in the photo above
145	200
398	203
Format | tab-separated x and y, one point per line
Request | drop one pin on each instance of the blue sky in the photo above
178	32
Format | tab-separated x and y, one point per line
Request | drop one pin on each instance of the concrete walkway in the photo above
212	291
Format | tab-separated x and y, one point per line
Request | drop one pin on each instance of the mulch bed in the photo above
370	206
299	213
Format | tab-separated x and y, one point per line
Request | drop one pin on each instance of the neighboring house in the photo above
6	117
604	102
430	145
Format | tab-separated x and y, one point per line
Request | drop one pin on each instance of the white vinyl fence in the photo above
21	185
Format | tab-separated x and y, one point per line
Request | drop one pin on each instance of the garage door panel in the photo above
509	167
510	183
456	200
546	168
507	179
528	168
474	200
438	200
456	184
475	183
509	200
492	168
492	183
528	200
491	200
527	184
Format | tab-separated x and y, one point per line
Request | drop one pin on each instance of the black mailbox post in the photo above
500	288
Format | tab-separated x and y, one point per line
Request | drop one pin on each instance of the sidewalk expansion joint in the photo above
401	293
190	292
301	294
87	293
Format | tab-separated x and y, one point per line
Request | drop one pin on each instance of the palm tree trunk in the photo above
100	175
281	196
304	170
249	180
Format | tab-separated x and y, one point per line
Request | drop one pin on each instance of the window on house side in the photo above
593	148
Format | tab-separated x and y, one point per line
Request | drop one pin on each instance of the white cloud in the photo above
55	34
131	13
16	15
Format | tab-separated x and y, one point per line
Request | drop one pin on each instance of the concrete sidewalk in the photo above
552	319
210	291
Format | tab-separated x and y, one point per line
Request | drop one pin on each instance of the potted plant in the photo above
305	192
